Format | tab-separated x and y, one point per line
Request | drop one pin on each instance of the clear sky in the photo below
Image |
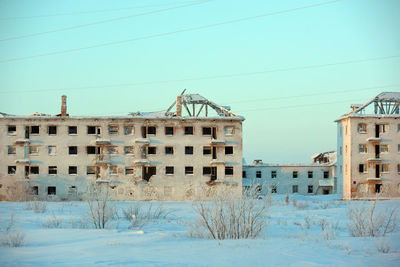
290	72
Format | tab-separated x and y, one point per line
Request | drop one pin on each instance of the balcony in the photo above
103	159
103	142
23	161
142	141
325	182
377	179
377	160
217	162
217	142
22	141
374	139
142	162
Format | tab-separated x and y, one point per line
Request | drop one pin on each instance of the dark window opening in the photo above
214	152
206	150
228	170
52	130
273	174
310	174
207	131
35	190
273	189
12	129
295	174
188	170
188	150
51	190
12	169
148	172
228	150
34	170
244	174
169	150
91	130
91	149
34	129
258	174
151	130
378	188
188	130
326	174
151	150
53	170
72	170
206	170
310	189
214	132
326	192
72	130
169	130
169	170
295	189
73	150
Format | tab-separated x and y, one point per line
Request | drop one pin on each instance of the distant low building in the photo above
316	178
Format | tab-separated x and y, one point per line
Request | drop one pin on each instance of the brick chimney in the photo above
179	106
63	106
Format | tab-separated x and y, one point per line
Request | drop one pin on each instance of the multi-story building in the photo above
306	179
164	155
368	145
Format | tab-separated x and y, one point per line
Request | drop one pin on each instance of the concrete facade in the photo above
141	156
369	149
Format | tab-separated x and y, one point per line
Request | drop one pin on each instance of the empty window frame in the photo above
295	188
244	174
34	150
151	130
72	130
11	130
385	167
189	130
72	170
229	130
51	190
52	130
206	131
188	150
258	174
326	174
73	150
129	171
11	149
169	150
206	171
362	168
113	129
34	169
52	170
310	189
151	150
113	170
310	174
228	170
228	150
206	150
35	190
384	148
169	130
52	150
34	130
91	170
128	130
362	128
273	174
169	170
113	150
362	148
273	189
295	174
128	150
12	169
91	150
93	130
189	170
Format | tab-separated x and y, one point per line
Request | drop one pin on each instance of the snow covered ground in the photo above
293	237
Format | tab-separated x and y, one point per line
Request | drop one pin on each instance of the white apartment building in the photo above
142	156
316	178
368	145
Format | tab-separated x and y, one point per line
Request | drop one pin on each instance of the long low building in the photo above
142	156
316	178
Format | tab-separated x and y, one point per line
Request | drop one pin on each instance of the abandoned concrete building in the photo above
368	145
172	155
316	178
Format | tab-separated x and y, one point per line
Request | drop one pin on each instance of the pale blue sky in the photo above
277	129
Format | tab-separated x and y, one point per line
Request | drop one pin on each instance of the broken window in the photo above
206	170
151	150
362	128
51	190
188	170
35	190
151	130
206	131
362	168
189	130
34	170
52	130
228	170
169	170
206	150
310	174
244	174
52	170
52	150
273	189
229	130
12	129
128	150
34	129
228	150
12	169
12	150
72	130
169	150
129	171
128	130
91	150
188	150
362	148
73	150
113	170
34	150
258	174
295	174
91	170
295	189
169	130
113	129
384	148
273	174
72	170
326	174
148	172
113	150
310	189
385	167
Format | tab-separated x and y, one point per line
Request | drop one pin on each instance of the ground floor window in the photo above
51	190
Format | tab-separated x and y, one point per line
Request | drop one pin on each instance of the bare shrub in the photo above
383	245
36	206
139	216
301	205
101	212
323	222
10	223
52	222
366	221
287	200
228	216
13	239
